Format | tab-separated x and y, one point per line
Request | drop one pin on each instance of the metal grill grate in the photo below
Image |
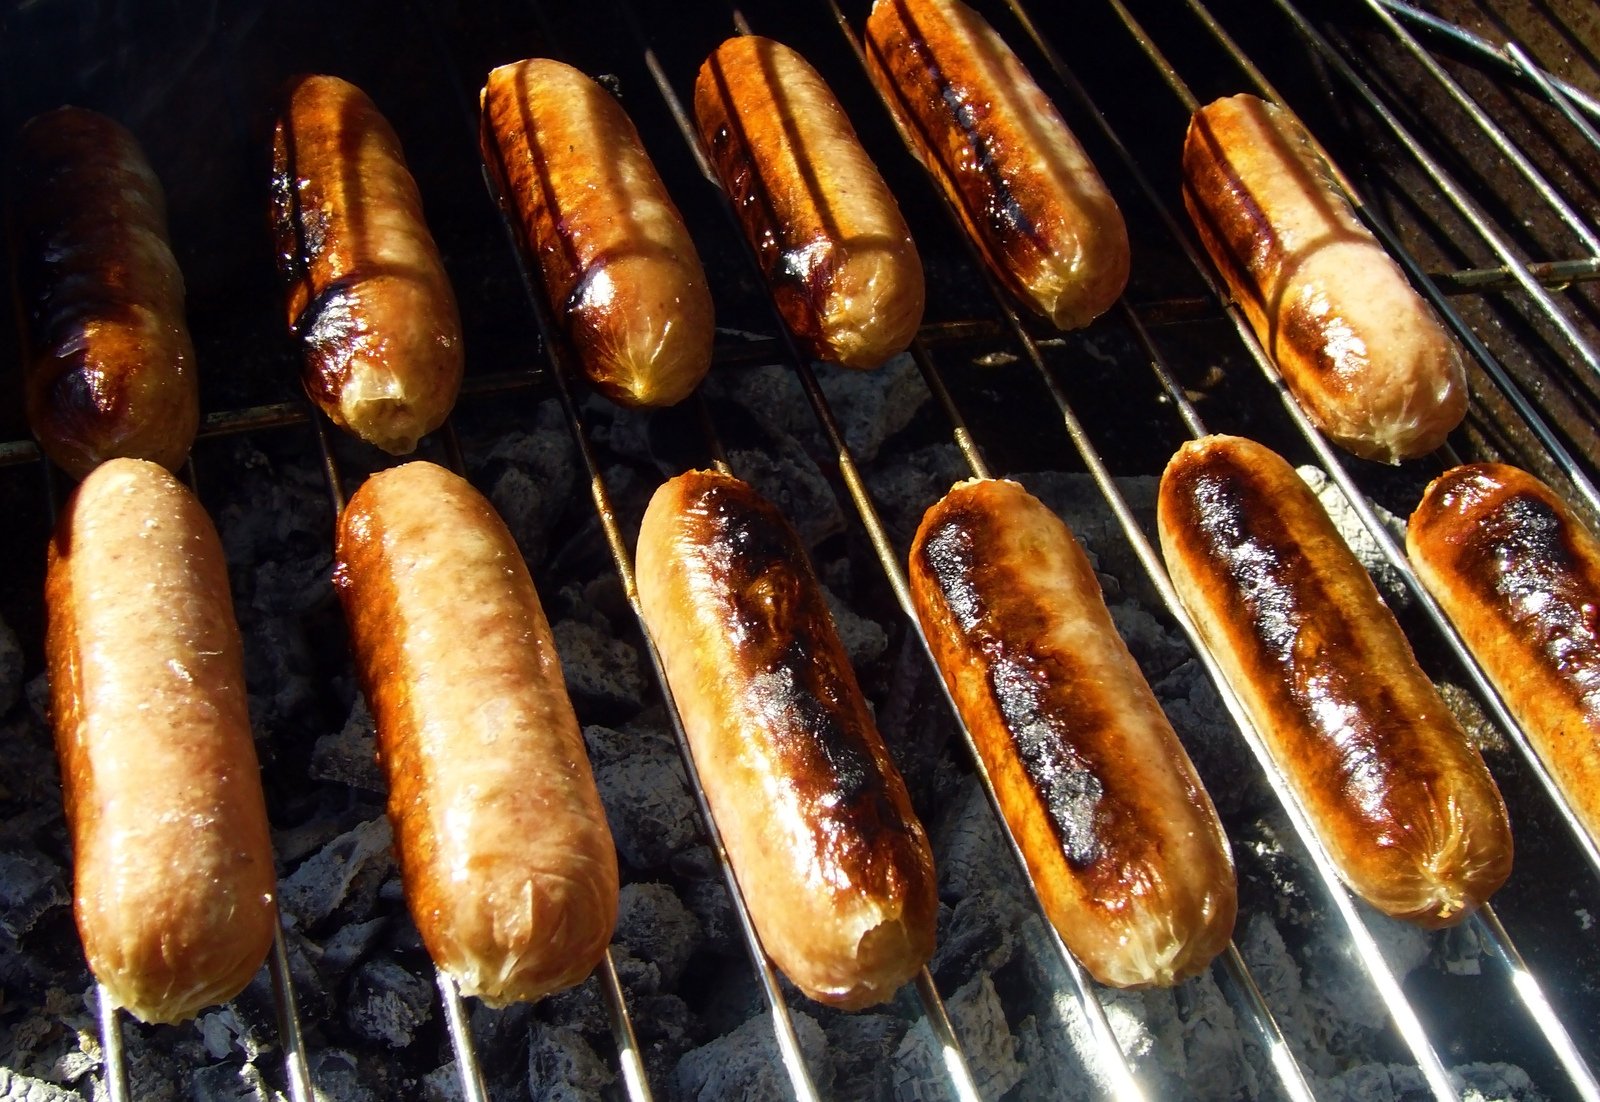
1529	404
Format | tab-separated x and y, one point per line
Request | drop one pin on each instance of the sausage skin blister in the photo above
1019	180
1363	354
1519	577
837	256
834	866
508	865
1119	835
108	367
367	292
1399	797
173	882
618	266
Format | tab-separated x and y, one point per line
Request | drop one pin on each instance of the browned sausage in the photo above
1361	351
504	850
618	266
1120	837
108	367
1023	187
1519	576
838	258
1400	799
834	866
366	290
174	884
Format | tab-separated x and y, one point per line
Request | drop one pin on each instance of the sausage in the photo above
1119	835
1519	576
619	269
1363	354
1400	799
108	367
507	862
834	866
1018	179
366	290
174	889
838	258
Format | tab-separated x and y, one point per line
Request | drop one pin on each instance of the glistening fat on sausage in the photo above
506	858
1363	354
108	367
1519	576
838	258
1120	838
172	864
619	269
833	864
366	290
1400	799
1017	178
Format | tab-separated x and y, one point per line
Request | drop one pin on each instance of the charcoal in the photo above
319	886
10	668
665	1022
500	1032
979	1020
1377	1083
864	640
349	755
1361	541
22	1088
388	1002
649	808
745	1064
349	944
863	1047
442	1084
582	1007
340	1077
1158	650
603	673
31	885
638	977
563	1068
978	936
655	926
532	476
1496	1083
969	850
226	1083
791	480
707	899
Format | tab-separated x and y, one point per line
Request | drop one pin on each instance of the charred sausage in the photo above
108	367
619	268
838	258
506	858
174	889
1400	799
831	859
1018	179
1363	354
1119	835
366	290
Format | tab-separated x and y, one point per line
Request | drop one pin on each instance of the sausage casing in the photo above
1400	799
508	864
837	256
619	268
1020	182
173	878
1119	835
1519	576
833	864
367	292
108	364
1365	356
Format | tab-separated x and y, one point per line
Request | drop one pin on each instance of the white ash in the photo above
1355	533
23	1088
979	1020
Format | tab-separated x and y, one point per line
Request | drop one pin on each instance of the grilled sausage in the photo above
1400	799
834	866
1021	184
504	851
367	293
1120	837
837	256
108	364
619	269
1363	354
1519	576
174	884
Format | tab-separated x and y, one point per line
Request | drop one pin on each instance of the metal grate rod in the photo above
1557	95
297	1069
628	1057
469	1074
114	1061
1492	130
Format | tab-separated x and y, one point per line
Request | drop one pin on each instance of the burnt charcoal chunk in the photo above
863	1047
603	674
324	881
563	1068
648	806
388	1003
656	927
22	1088
745	1063
980	936
31	885
226	1083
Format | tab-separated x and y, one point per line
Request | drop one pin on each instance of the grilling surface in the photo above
198	86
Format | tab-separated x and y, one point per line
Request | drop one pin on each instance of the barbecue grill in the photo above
1468	135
